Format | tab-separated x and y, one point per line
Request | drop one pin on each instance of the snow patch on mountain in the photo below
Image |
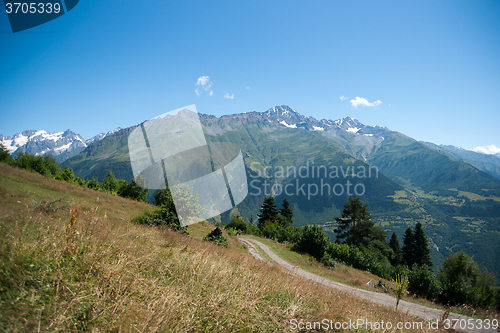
285	124
316	128
353	129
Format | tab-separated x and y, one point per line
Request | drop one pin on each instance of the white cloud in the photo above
364	102
343	98
490	150
229	96
247	87
205	83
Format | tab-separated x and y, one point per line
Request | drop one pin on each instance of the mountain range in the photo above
489	163
452	192
61	145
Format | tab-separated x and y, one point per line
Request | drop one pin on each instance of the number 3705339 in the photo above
32	8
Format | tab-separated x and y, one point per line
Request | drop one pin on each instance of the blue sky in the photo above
434	66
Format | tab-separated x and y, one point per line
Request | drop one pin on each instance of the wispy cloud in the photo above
343	98
205	83
490	150
229	96
363	102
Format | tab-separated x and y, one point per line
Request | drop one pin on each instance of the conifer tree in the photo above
355	225
408	248
421	253
396	248
4	155
251	219
268	211
109	183
286	211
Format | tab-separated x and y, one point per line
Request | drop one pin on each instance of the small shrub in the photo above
93	184
217	237
328	261
161	217
67	175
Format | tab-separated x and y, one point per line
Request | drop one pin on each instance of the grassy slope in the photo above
108	274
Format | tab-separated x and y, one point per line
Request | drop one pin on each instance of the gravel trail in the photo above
383	299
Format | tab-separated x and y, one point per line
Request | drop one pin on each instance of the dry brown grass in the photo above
101	273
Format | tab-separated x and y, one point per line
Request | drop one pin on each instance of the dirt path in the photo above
383	299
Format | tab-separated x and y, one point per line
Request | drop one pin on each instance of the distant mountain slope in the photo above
487	163
109	153
413	164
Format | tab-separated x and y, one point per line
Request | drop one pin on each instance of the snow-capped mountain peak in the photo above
287	117
31	139
62	145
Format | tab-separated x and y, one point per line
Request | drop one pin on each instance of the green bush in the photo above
313	241
217	237
423	282
93	184
289	234
133	191
161	217
79	181
162	197
237	224
328	261
269	229
67	175
231	232
461	280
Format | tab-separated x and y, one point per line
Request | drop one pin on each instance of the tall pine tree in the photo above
422	252
109	183
286	211
268	212
396	248
355	226
408	249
